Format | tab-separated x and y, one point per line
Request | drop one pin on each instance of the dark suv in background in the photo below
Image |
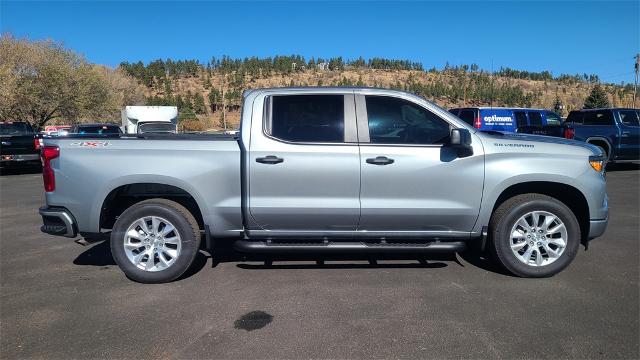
96	129
616	131
19	145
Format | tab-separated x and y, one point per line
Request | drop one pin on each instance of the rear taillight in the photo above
47	154
477	123
36	143
569	133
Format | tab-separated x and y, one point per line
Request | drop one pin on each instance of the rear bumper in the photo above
58	221
597	227
8	158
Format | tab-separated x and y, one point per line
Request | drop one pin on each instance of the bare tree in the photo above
42	81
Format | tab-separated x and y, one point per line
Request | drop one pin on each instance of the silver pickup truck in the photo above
328	170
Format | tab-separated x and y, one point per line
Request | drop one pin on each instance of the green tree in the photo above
597	99
188	102
198	104
215	100
557	105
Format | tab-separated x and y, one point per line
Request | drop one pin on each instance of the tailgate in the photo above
17	145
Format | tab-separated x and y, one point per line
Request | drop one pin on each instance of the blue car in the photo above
507	119
615	131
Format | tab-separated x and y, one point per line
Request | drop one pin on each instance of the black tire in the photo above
506	216
184	223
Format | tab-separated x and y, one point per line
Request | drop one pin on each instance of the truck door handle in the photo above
269	160
626	133
380	160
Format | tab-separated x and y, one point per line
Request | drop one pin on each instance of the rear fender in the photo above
96	208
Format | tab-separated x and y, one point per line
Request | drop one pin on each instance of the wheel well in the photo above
602	143
121	198
568	195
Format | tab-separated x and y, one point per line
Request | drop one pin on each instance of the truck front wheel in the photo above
155	241
534	235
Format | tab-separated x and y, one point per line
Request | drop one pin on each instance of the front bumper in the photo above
58	221
597	227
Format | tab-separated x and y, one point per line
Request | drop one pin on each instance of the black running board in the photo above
342	246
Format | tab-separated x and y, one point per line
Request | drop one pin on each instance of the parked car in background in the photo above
20	144
95	129
507	119
616	131
328	170
56	130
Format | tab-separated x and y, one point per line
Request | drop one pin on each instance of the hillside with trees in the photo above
220	82
44	83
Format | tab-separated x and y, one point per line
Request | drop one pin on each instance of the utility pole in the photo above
491	99
635	85
224	110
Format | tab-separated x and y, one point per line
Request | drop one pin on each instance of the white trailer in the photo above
146	119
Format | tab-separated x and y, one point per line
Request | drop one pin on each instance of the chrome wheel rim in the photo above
538	238
152	243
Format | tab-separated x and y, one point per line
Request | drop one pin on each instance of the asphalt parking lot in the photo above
63	300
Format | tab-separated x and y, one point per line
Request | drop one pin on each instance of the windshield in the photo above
157	127
98	129
17	128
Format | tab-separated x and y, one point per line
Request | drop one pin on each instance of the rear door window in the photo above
521	118
467	116
15	128
575	117
553	118
307	118
630	117
600	117
535	118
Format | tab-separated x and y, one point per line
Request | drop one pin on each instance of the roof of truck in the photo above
599	109
330	88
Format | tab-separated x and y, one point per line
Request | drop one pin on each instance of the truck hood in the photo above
504	136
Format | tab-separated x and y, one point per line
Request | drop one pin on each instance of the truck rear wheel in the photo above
534	235
155	241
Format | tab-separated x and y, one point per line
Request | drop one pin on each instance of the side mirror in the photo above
461	141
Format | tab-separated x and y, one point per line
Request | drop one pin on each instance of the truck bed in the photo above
89	168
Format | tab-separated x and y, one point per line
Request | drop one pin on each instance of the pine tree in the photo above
597	99
557	105
198	104
179	102
167	87
215	100
188	102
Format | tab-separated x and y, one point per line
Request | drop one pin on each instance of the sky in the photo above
562	36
